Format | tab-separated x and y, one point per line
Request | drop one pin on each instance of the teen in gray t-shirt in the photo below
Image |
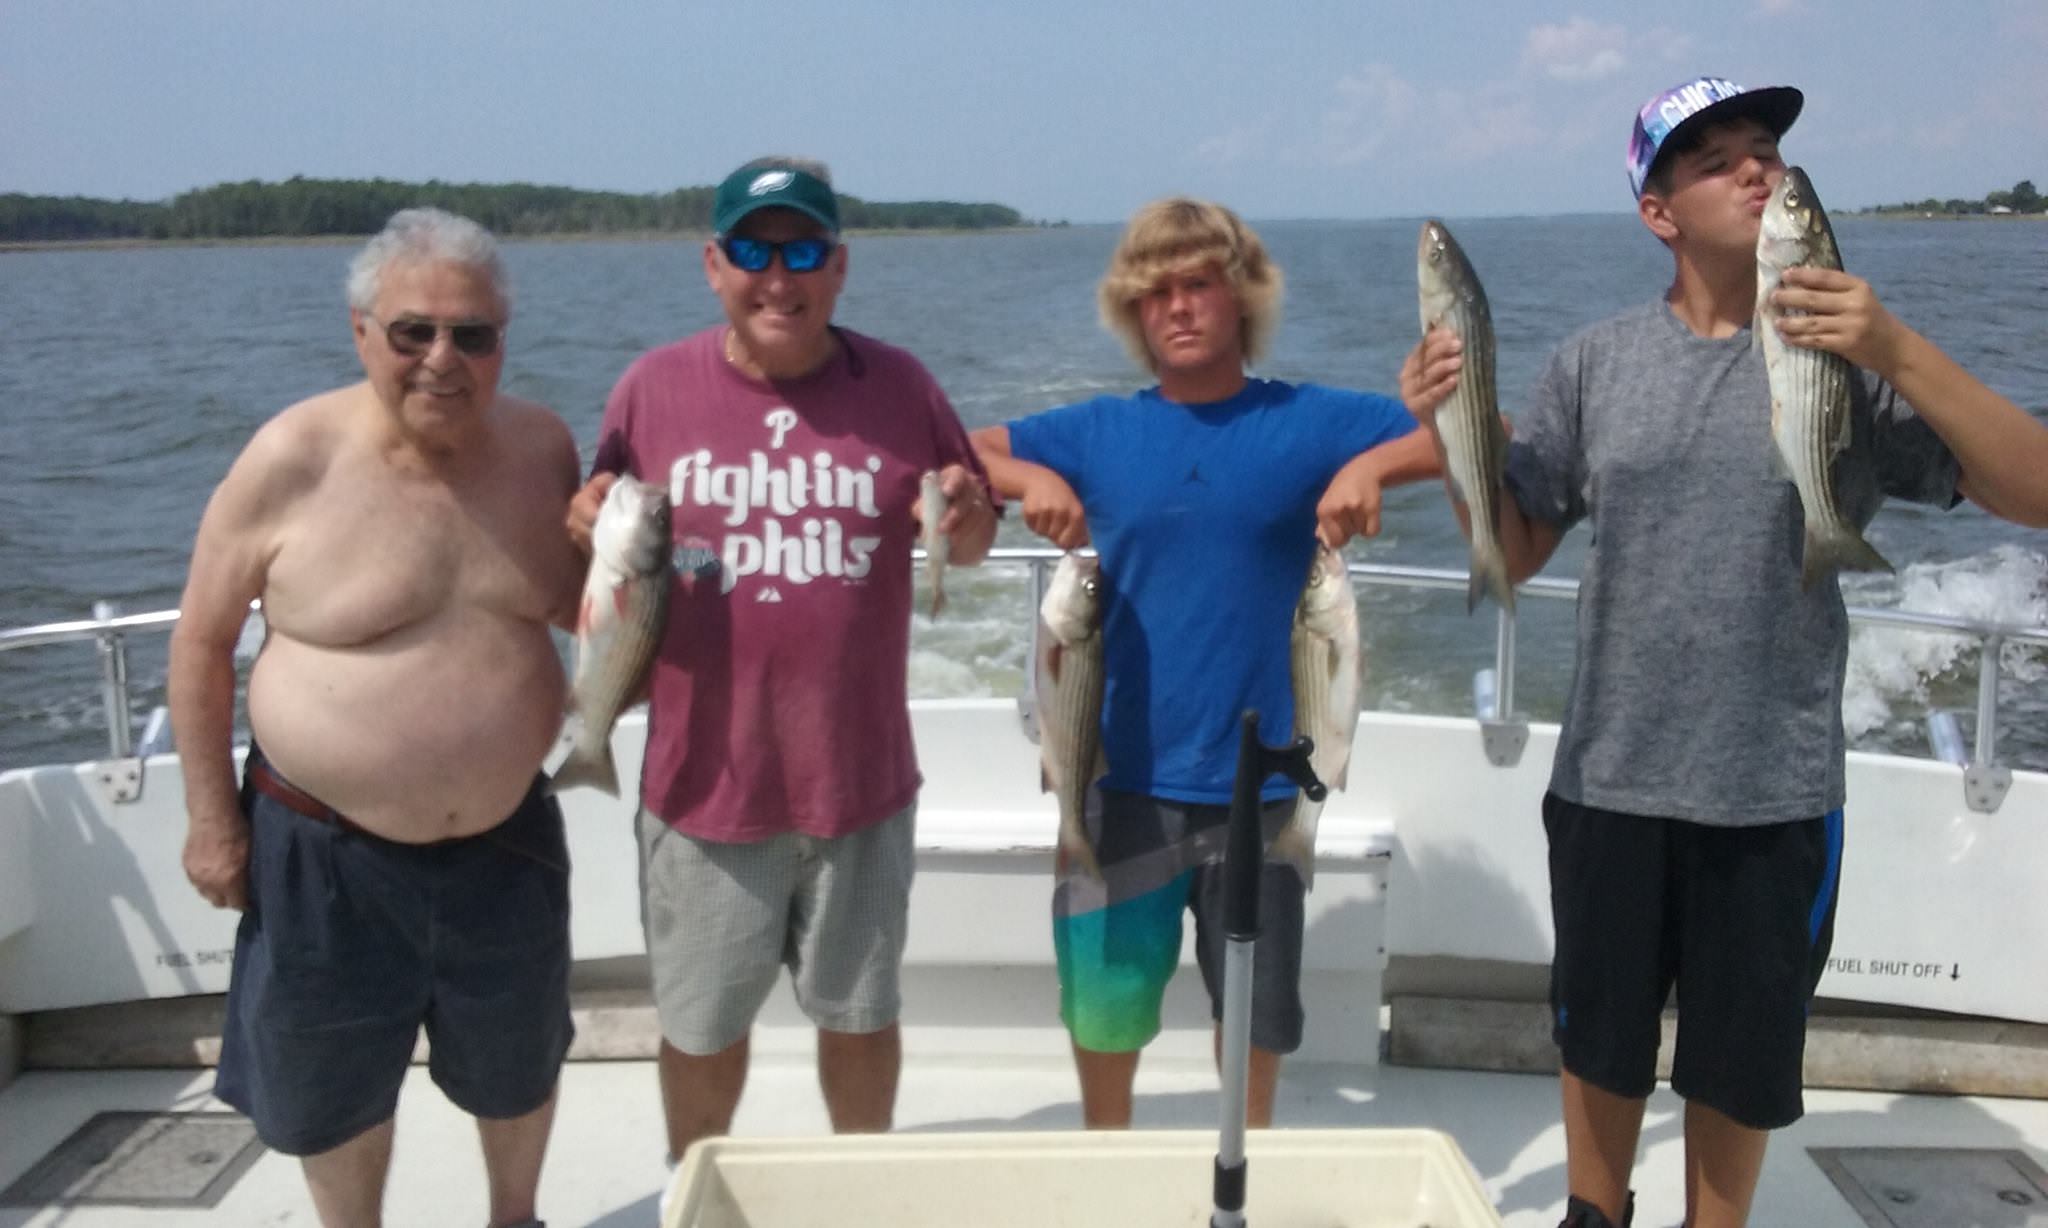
1709	682
1694	823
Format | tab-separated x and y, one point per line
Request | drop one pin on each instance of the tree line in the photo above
2023	198
301	207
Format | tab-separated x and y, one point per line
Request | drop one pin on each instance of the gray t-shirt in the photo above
1708	685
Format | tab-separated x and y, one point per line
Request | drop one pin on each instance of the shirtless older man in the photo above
395	859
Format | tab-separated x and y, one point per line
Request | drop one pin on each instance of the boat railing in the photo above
1504	731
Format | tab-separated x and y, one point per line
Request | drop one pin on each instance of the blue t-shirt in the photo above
1205	519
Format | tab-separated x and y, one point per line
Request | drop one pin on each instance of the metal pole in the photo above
1987	701
1244	858
113	651
1243	855
1504	667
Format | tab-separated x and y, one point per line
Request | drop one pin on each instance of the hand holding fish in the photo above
1839	313
1430	373
619	623
1449	299
584	506
1350	506
1052	509
969	514
1808	369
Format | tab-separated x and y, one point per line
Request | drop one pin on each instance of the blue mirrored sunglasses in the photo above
798	255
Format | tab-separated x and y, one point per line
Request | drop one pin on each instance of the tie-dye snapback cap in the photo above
1698	101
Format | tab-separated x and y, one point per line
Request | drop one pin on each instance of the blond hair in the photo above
1180	235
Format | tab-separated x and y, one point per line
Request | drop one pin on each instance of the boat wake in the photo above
1896	674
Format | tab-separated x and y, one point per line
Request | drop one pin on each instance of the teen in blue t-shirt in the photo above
1204	496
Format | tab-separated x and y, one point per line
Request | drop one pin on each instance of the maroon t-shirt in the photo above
779	696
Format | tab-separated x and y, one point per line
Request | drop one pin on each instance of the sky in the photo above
1075	110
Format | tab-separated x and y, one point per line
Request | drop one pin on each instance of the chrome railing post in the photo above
1504	666
113	653
1987	700
1985	783
1503	733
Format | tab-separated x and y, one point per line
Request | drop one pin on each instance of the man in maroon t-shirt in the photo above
780	784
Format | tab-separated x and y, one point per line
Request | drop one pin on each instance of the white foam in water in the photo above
934	674
1890	665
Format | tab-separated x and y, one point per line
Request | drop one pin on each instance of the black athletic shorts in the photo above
1739	919
352	943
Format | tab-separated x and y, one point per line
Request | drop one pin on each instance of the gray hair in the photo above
426	236
784	162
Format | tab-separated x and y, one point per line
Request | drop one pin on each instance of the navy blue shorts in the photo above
351	943
1739	919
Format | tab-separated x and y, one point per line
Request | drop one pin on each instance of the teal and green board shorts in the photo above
1117	940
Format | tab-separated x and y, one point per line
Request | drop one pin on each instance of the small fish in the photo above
1475	443
1809	388
618	626
1327	663
1070	683
932	505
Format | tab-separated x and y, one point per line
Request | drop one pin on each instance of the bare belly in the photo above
432	732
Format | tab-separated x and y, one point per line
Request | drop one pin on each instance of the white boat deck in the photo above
1432	861
605	1168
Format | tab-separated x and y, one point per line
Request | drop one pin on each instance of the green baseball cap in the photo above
772	187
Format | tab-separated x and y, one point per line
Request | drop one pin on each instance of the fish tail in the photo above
938	597
1489	575
587	766
1842	549
1296	843
1074	854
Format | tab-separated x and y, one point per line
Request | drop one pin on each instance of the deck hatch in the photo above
1938	1187
141	1160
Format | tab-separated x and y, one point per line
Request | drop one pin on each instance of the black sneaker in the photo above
1578	1213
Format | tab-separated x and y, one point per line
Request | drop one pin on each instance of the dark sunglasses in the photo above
413	338
754	255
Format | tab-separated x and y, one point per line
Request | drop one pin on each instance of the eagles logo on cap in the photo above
785	187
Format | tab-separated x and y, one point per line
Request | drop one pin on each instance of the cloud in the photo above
1377	115
1497	125
1662	44
2026	20
1369	107
1778	8
1578	50
1239	143
1586	50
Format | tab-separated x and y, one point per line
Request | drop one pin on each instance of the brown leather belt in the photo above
264	779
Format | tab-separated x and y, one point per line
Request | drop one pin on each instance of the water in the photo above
130	379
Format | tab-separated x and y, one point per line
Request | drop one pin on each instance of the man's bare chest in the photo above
354	571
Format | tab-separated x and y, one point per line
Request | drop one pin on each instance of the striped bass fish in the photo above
1809	388
1475	444
618	625
1070	683
931	509
1327	662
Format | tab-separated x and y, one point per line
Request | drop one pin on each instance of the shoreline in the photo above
620	236
1919	215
